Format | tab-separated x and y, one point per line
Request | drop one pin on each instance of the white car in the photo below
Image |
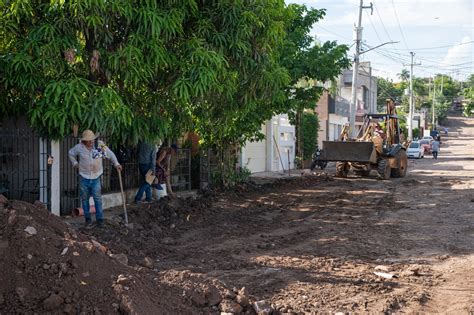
430	138
416	150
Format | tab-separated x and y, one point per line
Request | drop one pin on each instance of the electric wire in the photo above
438	47
381	21
333	33
373	27
399	26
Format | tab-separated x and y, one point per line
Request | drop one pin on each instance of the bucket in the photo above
162	193
76	212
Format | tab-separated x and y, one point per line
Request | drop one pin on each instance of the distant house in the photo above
366	90
333	114
276	152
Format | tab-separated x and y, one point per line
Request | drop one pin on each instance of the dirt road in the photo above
314	243
308	244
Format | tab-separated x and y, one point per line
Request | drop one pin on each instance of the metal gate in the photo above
24	171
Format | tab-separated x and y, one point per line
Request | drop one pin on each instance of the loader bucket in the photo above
349	151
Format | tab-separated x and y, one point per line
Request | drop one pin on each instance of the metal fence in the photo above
24	171
212	163
128	158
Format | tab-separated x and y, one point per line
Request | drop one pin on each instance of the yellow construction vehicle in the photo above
380	148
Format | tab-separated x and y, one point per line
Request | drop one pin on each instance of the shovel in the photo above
123	198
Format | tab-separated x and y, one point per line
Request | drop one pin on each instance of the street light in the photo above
355	70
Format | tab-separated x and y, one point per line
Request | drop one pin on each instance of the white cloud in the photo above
460	56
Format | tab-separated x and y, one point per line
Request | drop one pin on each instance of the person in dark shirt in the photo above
146	161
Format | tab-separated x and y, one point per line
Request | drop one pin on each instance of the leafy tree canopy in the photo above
307	59
387	89
150	69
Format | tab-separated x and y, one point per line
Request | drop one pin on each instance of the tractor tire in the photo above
383	168
362	173
402	162
342	169
361	169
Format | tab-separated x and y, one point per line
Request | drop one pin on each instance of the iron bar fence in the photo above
128	158
24	171
215	166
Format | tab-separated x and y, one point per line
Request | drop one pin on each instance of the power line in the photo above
331	32
448	46
390	55
381	21
399	26
373	27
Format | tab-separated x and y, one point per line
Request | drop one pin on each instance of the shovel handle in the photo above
123	197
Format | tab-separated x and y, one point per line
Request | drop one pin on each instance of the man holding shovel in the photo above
87	156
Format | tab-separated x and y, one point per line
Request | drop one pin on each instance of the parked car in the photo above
430	138
426	144
416	150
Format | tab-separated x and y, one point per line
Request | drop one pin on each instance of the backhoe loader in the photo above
378	148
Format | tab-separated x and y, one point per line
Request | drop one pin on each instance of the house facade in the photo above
333	114
366	93
274	153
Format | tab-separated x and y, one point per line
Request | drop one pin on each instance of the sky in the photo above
439	32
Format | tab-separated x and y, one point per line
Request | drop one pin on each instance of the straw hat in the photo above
88	135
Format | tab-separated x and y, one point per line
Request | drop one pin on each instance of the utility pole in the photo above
355	68
442	83
412	105
433	106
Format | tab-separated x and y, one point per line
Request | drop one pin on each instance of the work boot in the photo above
100	223
88	224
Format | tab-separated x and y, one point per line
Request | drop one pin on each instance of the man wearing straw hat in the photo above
91	153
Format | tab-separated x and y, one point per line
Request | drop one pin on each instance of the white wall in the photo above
254	154
267	155
336	123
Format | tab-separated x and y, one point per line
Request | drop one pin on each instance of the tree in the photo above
309	130
469	96
386	89
155	69
404	75
470	81
144	69
307	62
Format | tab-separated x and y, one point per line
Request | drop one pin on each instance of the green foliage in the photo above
442	106
470	81
306	59
449	87
386	89
155	69
404	75
469	95
143	70
309	130
469	109
229	177
416	133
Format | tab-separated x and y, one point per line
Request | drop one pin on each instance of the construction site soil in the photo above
300	245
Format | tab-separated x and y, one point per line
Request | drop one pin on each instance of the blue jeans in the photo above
88	188
144	186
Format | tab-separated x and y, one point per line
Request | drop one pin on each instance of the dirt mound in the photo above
47	266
